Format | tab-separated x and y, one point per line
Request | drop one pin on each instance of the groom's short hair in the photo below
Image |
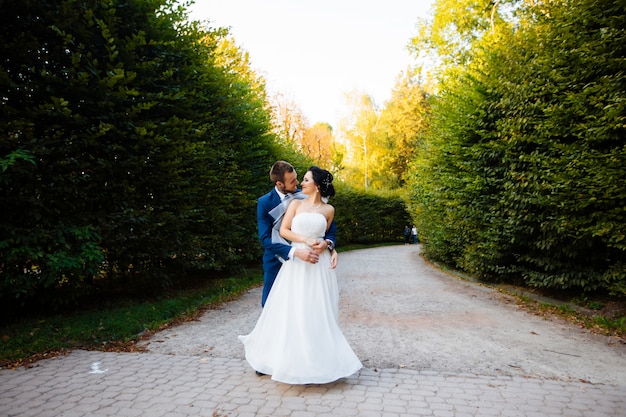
277	173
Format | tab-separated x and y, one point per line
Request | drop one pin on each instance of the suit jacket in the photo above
274	251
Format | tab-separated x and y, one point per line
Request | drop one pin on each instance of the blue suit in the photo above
273	252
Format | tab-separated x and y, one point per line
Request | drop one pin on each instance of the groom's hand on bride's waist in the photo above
307	255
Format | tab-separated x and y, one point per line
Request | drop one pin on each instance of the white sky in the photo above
314	51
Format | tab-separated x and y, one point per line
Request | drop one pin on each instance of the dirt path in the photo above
398	311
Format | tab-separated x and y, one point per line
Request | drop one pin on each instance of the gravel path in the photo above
398	311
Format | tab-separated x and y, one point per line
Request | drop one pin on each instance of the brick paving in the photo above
98	384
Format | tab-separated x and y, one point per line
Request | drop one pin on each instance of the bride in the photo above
297	339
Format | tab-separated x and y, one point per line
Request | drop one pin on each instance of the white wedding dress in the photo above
297	339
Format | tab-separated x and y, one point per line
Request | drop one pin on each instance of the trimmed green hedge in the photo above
369	217
131	151
522	176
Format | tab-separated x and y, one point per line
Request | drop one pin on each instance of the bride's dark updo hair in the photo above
324	180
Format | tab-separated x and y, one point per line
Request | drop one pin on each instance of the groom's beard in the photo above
286	191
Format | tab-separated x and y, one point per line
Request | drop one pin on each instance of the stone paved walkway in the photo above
97	384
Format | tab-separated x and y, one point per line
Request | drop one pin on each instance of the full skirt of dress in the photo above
297	339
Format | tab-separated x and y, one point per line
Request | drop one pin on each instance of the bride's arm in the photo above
330	215
334	257
285	226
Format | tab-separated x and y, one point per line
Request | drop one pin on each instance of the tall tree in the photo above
358	130
317	142
448	39
403	119
289	122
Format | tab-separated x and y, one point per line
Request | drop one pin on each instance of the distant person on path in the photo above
297	339
270	210
414	234
407	234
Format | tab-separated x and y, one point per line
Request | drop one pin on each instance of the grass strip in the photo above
116	327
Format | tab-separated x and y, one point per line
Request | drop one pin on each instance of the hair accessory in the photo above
326	181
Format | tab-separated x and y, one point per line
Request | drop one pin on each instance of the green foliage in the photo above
457	25
368	217
565	185
133	150
521	175
113	325
361	138
13	158
401	124
454	180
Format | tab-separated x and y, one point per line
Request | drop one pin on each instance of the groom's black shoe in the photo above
259	373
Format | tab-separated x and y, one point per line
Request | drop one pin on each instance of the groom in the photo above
270	209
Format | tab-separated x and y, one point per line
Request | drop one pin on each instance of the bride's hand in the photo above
319	246
334	257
